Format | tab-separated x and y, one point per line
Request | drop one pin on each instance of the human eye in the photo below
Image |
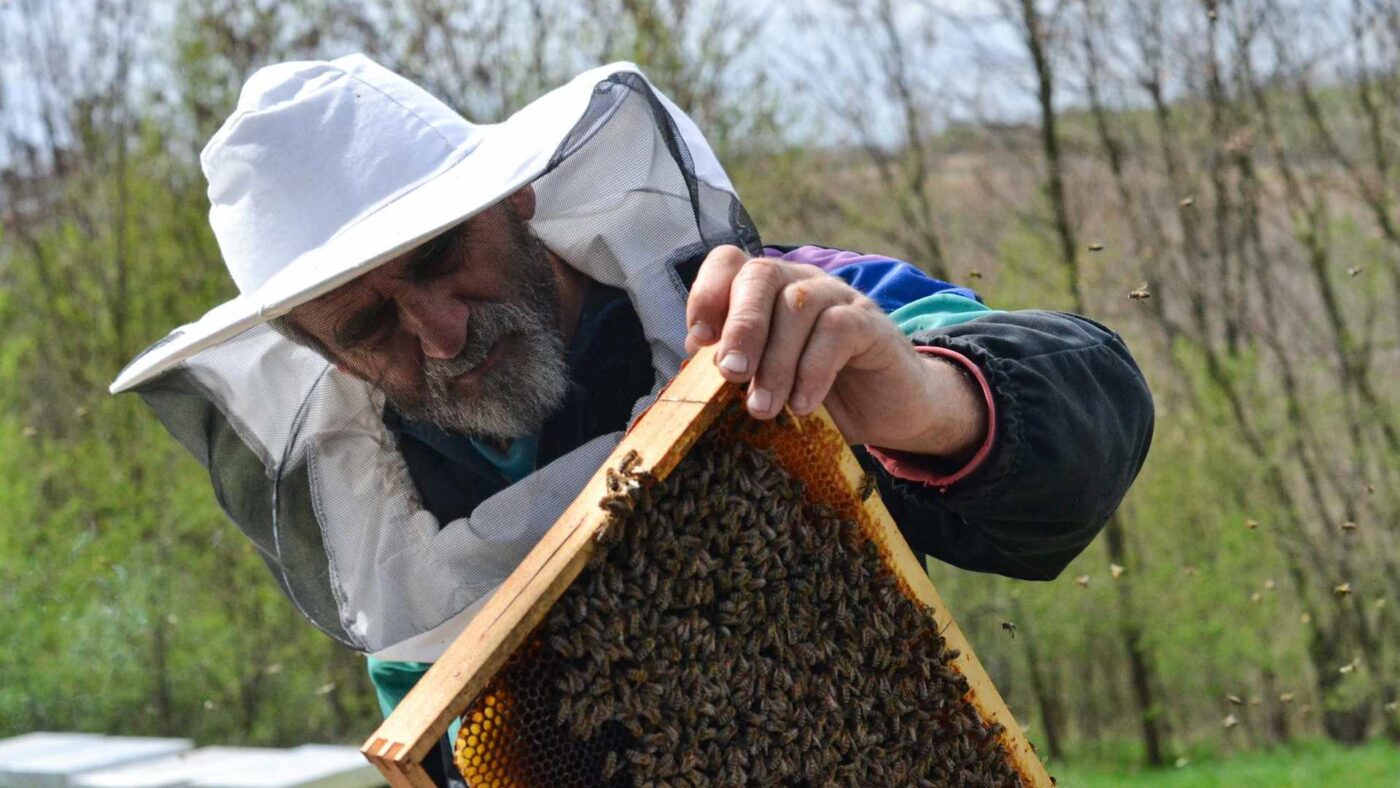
437	257
369	326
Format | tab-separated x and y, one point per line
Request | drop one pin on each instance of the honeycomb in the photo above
739	623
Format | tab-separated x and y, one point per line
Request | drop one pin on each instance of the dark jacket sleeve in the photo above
1073	423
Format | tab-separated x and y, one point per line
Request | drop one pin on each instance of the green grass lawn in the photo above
1315	765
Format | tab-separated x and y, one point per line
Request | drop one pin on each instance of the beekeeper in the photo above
442	329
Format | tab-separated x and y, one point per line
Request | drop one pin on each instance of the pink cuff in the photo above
922	468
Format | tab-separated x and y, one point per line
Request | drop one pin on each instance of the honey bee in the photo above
867	486
1140	294
715	697
1096	247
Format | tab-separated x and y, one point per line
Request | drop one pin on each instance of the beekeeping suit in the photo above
325	171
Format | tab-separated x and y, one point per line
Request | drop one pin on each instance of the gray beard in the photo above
530	376
513	398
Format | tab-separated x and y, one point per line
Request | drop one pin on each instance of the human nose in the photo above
439	322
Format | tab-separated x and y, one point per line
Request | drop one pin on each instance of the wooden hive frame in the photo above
661	438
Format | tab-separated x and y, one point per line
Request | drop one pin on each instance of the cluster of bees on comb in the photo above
727	632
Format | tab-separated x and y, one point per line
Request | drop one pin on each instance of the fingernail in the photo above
799	403
734	362
701	331
760	399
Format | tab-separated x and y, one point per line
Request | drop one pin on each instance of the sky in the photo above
976	64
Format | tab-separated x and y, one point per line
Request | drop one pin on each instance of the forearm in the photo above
1072	420
953	421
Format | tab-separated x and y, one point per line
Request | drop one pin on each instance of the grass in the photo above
1313	764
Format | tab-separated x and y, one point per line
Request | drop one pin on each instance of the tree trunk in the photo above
1046	698
1141	667
1279	729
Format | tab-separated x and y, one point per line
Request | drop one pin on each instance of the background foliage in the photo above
1240	159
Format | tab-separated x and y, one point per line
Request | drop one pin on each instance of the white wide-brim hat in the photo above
328	169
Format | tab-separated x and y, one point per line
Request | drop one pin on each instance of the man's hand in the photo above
801	337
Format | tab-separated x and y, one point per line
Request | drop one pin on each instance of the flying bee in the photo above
1115	570
974	273
1096	246
1010	628
1355	270
1342	590
1348	526
1082	581
1140	294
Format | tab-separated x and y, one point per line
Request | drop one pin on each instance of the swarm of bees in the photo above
728	632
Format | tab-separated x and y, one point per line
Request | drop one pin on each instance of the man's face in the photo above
462	331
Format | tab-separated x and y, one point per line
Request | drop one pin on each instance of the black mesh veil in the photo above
298	452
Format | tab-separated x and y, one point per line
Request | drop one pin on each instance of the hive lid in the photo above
661	438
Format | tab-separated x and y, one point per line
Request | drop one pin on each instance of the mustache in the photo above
488	324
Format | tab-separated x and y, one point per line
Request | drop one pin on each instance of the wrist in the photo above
956	408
